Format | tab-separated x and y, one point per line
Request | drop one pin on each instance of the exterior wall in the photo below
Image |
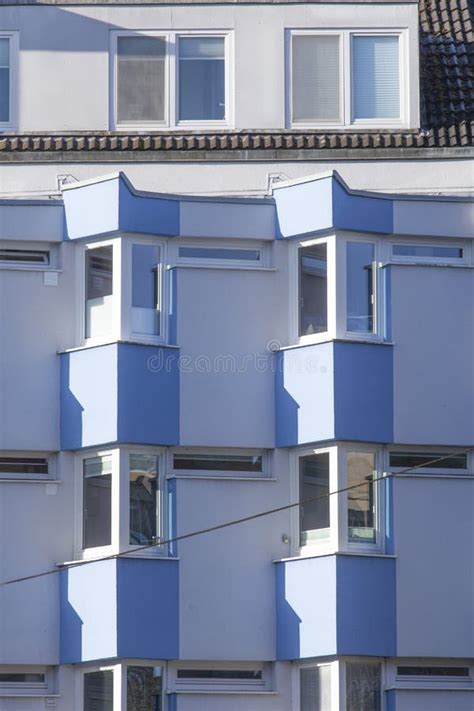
81	42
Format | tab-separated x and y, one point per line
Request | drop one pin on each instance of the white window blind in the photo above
140	79
315	78
315	688
376	77
4	80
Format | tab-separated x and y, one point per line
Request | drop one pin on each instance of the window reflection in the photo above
361	501
360	295
144	688
314	484
143	479
313	290
97	501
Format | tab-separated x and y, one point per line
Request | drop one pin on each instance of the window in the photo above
146	289
315	688
360	258
316	78
99	691
97	502
25	681
313	290
241	677
144	688
121	501
141	79
143	499
427	253
22	257
432	671
8	55
219	464
364	88
363	686
375	77
361	499
165	79
99	291
314	498
201	78
220	254
427	460
23	467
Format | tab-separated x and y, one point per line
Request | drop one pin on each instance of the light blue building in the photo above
236	355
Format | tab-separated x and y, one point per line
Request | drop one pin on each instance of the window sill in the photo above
112	342
203	477
23	695
234	267
221	692
22	480
333	339
123	554
325	554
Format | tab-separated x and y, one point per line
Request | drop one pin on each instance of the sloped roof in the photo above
447	115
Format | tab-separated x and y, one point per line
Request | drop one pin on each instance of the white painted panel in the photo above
31	222
436	218
435	700
204	219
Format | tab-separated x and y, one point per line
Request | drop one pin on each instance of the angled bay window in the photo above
164	79
344	78
122	687
121	502
123	292
315	688
98	690
363	686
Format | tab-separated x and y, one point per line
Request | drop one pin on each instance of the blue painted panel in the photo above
119	608
390	700
360	212
306	608
148	599
152	214
88	397
363	385
366	606
304	395
148	378
88	612
92	209
305	208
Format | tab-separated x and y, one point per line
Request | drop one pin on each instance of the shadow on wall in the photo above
70	624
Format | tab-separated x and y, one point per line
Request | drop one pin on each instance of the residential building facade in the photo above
237	348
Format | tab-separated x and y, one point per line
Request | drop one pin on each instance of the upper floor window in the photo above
344	78
170	78
123	291
8	51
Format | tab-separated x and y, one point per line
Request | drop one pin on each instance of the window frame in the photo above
219	474
13	476
428	471
221	686
119	672
53	263
14	46
396	681
27	689
378	545
434	261
262	263
120	503
346	84
121	326
171	89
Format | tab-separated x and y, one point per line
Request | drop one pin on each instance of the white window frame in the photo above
120	504
428	471
221	686
24	246
335	686
262	263
435	261
12	123
13	476
217	474
338	539
449	683
346	89
171	109
121	327
25	689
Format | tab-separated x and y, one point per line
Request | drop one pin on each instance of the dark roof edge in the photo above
100	3
235	156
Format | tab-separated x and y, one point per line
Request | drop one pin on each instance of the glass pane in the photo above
141	79
360	501
363	687
219	253
23	465
314	484
144	688
99	298
4	80
18	678
315	688
313	290
97	501
145	289
218	462
99	691
229	674
143	477
315	81
375	77
360	297
433	671
426	251
201	78
404	460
